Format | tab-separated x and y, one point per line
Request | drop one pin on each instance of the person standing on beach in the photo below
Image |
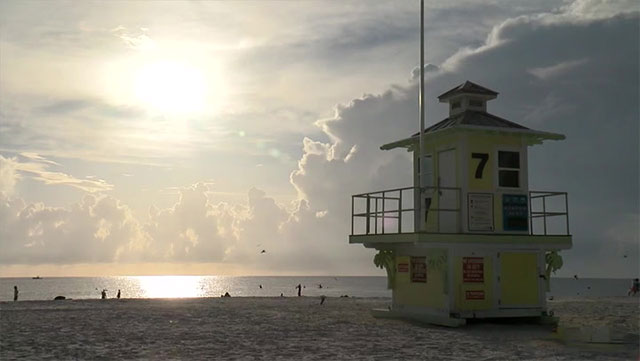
299	287
104	294
15	293
118	294
635	287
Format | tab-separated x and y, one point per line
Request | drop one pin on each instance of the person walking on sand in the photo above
299	287
118	296
15	293
635	287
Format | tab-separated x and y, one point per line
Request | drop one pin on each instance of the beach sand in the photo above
298	328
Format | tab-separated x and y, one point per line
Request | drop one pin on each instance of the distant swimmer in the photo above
635	287
118	296
575	276
263	251
104	294
299	287
260	286
15	293
281	294
319	285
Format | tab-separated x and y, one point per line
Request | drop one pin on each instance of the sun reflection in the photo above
171	286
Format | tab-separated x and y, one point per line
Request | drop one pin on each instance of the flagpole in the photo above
422	115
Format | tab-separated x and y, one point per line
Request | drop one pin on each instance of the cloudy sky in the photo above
151	137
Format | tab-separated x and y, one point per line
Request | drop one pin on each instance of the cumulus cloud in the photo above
194	229
598	9
96	229
8	175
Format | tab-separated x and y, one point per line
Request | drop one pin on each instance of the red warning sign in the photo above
473	269
419	269
403	267
474	295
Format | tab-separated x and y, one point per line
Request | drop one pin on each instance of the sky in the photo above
150	137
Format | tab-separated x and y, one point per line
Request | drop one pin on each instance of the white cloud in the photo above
599	9
97	229
194	229
137	41
556	69
8	175
37	168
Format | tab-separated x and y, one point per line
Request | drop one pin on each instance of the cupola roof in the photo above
467	88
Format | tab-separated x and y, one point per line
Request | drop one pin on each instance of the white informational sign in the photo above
480	212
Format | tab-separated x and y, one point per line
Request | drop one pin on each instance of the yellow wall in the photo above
434	144
460	287
519	278
476	142
489	144
429	294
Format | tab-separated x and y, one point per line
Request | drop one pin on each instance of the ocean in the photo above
214	286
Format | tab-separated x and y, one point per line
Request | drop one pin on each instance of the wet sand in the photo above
298	328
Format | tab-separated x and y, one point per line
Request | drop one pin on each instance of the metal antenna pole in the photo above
422	114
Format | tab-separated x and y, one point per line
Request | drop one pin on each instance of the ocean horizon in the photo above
149	287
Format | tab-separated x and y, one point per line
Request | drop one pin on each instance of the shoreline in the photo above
550	302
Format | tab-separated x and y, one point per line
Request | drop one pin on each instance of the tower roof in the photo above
473	118
477	121
467	88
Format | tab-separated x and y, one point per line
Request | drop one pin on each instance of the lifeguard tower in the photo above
468	239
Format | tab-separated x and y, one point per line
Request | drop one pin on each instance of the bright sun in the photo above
171	87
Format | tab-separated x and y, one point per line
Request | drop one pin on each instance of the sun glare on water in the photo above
171	87
171	286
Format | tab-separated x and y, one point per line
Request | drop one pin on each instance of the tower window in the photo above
509	169
475	103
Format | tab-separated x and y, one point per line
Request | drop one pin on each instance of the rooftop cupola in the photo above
467	96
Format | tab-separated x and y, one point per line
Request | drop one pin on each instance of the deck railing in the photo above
392	211
544	205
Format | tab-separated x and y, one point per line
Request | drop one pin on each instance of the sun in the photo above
171	87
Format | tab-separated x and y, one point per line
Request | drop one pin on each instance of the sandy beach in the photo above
295	328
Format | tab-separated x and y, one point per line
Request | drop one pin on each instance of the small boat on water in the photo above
36	278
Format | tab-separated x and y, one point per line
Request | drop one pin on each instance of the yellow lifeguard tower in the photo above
468	239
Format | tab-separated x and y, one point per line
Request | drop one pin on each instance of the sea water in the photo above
47	288
214	286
